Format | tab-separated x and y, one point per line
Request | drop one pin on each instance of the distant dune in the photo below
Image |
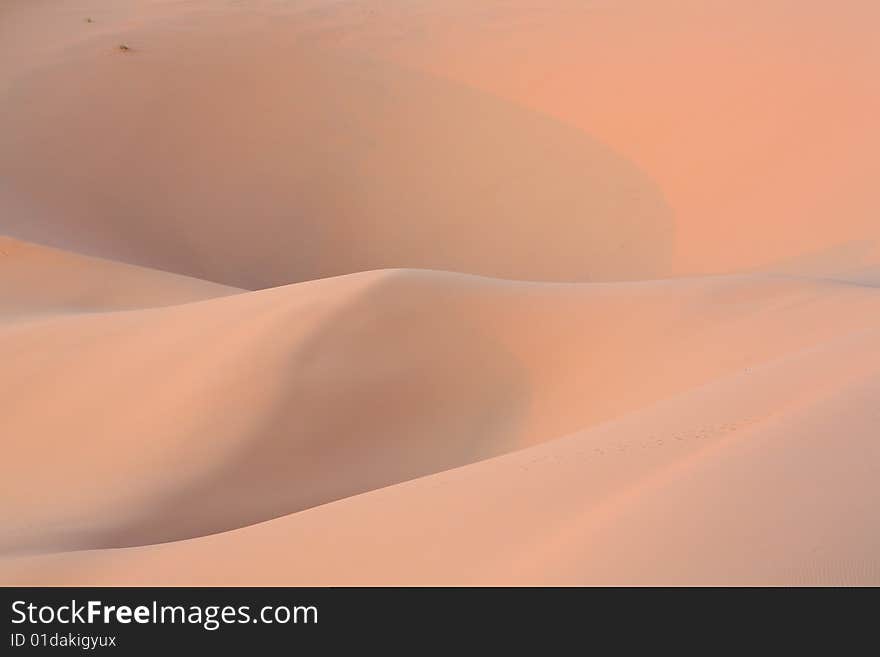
263	161
439	293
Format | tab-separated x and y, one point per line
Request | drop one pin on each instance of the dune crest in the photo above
38	280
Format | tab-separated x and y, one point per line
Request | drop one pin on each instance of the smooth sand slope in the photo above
652	355
285	399
37	280
748	480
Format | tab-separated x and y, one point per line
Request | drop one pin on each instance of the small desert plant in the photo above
89	20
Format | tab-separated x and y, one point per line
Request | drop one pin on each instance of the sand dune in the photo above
762	475
36	280
585	141
433	371
439	293
339	163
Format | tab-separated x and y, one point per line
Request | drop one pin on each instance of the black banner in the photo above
146	620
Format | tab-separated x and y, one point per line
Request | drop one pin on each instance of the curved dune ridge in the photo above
38	280
319	293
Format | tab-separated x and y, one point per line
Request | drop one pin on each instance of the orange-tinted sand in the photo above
365	292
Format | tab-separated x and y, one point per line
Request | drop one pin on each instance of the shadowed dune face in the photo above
256	160
265	375
447	393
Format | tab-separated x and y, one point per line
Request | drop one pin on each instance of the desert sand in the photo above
510	292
